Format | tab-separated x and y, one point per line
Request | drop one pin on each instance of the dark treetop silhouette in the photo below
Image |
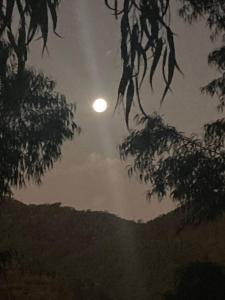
147	43
32	129
192	170
34	119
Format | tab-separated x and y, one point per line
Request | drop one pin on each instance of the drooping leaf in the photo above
52	7
171	67
164	65
156	58
129	100
9	12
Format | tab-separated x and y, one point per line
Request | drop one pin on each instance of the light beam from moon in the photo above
99	105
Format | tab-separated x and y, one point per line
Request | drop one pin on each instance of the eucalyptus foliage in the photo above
212	12
147	43
190	170
22	20
35	120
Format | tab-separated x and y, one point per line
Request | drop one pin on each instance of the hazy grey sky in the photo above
86	65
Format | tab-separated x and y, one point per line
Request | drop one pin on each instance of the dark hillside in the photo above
57	251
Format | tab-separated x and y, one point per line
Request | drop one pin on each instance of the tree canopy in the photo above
35	120
146	37
32	129
190	169
148	43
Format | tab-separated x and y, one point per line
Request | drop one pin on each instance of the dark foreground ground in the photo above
53	252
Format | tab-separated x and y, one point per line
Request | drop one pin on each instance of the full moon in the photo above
99	105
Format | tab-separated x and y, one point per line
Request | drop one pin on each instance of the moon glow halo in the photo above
99	105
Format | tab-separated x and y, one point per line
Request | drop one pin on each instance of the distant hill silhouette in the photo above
54	252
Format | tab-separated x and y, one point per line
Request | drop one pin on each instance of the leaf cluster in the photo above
34	122
191	170
33	18
217	86
213	13
147	42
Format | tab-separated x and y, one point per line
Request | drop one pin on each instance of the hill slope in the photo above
60	252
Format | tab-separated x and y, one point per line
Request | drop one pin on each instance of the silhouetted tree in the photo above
199	281
34	122
146	37
213	13
191	169
34	119
147	43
